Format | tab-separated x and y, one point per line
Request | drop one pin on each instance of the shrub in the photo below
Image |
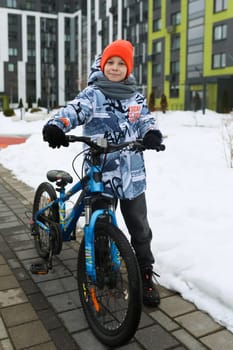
35	109
39	102
20	103
9	112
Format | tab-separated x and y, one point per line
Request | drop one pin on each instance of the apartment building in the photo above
40	50
190	53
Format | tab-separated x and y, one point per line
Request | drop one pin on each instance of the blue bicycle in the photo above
108	275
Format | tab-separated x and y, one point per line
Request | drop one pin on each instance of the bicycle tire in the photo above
114	312
45	193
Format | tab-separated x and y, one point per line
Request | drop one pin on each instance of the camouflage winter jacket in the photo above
118	120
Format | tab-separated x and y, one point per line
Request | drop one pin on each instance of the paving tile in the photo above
38	301
6	344
18	238
9	224
21	335
71	264
14	263
190	342
2	260
21	274
3	332
5	270
87	340
68	254
12	297
145	320
22	245
18	314
60	285
74	320
165	292
8	282
27	254
47	346
49	319
146	337
29	286
164	320
175	306
198	323
222	340
131	346
62	340
65	301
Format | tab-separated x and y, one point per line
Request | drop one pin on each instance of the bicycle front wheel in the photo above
112	304
45	193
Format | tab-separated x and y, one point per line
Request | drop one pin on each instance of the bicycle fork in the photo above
89	234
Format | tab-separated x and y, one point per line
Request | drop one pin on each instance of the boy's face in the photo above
115	69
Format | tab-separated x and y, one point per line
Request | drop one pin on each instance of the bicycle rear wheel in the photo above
112	305
45	193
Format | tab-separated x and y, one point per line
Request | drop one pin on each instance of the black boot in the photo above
151	295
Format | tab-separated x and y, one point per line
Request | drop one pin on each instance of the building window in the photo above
219	60
175	19
157	47
11	3
174	78
175	67
29	5
175	42
13	51
157	25
220	32
11	67
31	68
31	52
156	69
220	5
157	4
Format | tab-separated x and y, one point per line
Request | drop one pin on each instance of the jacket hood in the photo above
96	72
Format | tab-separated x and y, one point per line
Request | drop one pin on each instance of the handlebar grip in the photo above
161	147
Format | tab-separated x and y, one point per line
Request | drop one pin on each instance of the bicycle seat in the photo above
56	175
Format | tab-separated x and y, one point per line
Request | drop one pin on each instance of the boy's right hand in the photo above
54	136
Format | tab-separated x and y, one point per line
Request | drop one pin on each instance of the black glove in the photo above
54	136
152	139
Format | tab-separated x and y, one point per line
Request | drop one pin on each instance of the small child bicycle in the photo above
108	274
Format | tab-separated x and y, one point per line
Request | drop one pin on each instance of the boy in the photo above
111	107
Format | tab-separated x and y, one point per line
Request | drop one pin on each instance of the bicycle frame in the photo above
91	184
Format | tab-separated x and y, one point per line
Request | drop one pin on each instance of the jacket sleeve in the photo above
75	113
147	120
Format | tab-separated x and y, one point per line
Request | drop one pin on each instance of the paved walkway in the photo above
44	312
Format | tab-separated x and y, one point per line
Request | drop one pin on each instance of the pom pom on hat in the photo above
122	49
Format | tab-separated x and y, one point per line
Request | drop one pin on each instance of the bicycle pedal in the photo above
39	269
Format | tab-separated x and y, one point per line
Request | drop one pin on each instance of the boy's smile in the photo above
115	69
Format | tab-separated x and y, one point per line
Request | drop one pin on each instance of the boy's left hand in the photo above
152	139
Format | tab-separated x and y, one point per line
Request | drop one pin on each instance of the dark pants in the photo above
135	215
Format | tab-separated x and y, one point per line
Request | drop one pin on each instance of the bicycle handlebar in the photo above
102	145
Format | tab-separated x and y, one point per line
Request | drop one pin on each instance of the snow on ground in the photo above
190	200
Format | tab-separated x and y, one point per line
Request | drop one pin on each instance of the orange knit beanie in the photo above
122	49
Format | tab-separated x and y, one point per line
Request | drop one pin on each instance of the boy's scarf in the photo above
118	90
